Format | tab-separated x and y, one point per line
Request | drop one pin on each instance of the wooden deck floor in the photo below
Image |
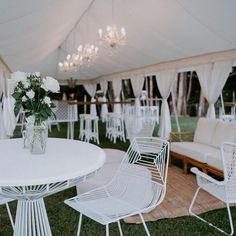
180	191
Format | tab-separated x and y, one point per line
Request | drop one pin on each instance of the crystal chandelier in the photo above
88	53
112	37
71	63
84	57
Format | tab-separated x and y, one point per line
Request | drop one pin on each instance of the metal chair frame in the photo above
223	190
65	113
138	186
89	128
115	127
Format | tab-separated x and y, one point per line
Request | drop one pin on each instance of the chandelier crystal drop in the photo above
112	38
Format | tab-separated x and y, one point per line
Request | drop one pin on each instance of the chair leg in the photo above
230	219
79	225
10	216
193	201
107	230
58	126
210	224
144	224
120	229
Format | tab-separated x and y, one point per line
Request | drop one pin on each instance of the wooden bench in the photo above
204	149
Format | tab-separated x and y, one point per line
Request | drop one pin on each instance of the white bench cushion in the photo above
224	132
196	151
204	131
214	159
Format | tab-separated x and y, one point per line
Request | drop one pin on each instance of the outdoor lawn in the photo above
64	220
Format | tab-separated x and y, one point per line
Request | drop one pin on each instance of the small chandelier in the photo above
88	53
85	57
72	63
112	37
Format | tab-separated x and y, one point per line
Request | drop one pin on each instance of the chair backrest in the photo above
143	172
228	153
65	112
228	118
138	126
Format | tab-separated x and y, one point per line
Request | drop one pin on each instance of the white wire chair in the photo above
21	119
115	127
227	118
150	111
138	186
89	128
139	126
223	190
65	112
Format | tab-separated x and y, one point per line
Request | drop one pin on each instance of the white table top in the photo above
64	159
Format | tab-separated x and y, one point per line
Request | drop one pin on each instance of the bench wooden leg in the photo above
185	167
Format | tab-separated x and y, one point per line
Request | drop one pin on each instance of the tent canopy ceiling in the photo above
157	30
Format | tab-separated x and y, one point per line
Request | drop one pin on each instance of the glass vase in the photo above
37	137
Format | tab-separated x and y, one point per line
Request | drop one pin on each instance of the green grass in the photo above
64	220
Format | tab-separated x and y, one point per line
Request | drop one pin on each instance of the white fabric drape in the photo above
137	85
2	129
2	83
8	115
117	84
212	78
103	84
9	119
104	108
91	90
165	81
2	86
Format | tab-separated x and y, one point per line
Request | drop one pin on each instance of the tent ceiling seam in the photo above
77	22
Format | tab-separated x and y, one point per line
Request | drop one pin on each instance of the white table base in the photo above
31	215
31	219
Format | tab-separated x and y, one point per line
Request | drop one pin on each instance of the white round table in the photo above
30	177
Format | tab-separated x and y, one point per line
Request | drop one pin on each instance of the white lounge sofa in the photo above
204	151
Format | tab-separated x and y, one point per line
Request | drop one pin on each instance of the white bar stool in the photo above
115	127
88	128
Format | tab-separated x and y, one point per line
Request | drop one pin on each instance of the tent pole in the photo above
222	104
175	111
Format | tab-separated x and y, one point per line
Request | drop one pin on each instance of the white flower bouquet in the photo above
31	92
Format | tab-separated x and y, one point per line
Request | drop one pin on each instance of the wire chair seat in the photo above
120	200
138	186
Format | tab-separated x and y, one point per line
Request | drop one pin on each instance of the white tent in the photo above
157	31
161	35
